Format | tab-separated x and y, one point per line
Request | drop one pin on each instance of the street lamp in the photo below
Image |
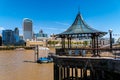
110	32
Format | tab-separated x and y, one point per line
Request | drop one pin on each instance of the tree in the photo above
49	42
85	43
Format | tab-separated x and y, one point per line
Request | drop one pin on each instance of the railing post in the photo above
76	73
68	73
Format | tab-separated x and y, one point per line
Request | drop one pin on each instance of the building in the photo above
0	40
39	39
8	37
40	36
16	35
27	29
21	37
35	43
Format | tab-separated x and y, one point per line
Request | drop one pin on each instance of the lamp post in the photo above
110	32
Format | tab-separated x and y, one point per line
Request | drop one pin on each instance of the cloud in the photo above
20	31
54	29
64	24
2	28
51	28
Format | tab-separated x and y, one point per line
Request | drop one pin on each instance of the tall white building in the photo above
27	29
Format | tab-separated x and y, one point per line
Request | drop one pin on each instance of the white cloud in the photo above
65	24
20	31
51	28
2	28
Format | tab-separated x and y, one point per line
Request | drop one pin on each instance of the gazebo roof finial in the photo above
78	9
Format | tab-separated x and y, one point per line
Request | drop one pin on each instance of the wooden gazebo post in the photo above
63	41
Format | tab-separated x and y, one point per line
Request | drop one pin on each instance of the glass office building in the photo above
27	29
8	37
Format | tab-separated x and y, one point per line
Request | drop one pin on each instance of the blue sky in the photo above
55	16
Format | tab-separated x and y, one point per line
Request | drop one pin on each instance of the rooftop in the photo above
79	26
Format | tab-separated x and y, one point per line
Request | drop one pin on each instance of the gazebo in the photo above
79	29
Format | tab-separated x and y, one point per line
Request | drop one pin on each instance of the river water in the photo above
20	65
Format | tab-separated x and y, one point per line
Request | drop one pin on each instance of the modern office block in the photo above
27	29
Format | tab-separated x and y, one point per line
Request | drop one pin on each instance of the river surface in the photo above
20	65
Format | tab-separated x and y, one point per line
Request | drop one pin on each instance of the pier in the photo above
73	63
86	68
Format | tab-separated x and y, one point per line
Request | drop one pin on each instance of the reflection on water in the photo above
20	65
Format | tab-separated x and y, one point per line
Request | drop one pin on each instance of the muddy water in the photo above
20	65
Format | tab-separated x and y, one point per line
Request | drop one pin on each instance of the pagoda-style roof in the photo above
80	27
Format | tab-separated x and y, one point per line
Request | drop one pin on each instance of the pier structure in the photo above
70	65
86	68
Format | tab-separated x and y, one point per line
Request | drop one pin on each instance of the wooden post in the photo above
76	73
64	42
61	73
72	73
81	73
56	72
85	74
37	51
91	74
64	73
70	43
97	46
68	73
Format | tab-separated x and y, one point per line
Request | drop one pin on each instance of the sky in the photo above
55	16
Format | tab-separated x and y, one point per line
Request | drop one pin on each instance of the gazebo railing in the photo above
89	52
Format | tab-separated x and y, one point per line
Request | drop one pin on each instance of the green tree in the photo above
49	43
85	43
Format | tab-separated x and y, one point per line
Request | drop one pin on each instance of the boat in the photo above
43	54
44	60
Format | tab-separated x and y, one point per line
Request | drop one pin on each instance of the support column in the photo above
68	73
56	72
103	74
76	73
68	42
81	72
91	74
63	42
61	73
97	46
93	44
84	74
36	53
72	73
65	73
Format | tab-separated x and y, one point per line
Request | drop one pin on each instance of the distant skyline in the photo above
55	16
